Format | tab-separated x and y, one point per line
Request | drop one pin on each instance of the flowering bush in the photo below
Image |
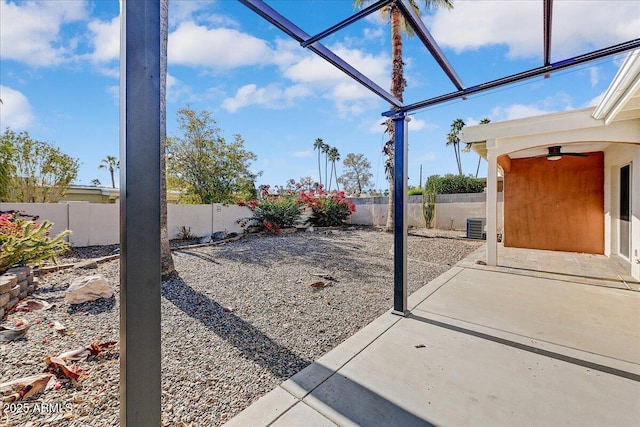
25	242
273	211
329	209
282	210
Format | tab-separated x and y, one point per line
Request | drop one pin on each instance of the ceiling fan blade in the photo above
576	154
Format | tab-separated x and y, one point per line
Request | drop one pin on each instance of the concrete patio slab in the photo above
479	347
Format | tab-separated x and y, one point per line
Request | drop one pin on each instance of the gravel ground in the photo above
240	319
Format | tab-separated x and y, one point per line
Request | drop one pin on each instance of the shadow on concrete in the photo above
524	347
359	404
252	342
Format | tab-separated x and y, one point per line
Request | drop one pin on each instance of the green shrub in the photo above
25	242
415	191
329	209
455	184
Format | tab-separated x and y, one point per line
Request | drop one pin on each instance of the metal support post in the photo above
140	351
400	215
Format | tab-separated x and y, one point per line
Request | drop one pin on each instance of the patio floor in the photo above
573	267
481	346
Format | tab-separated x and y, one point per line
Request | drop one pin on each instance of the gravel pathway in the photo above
239	320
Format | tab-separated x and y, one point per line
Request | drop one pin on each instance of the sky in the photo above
59	76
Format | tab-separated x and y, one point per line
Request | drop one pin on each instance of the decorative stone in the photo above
22	294
14	291
87	265
30	289
7	281
30	278
219	235
12	303
1	312
36	283
21	272
23	284
206	239
4	299
88	288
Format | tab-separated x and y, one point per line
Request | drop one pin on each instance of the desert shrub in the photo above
273	211
455	184
25	242
415	191
329	209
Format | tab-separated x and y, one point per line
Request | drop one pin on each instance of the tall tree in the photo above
206	167
325	150
334	156
110	163
36	171
398	82
357	175
317	146
168	270
468	145
453	139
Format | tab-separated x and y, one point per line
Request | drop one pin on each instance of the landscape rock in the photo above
205	239
15	291
87	265
4	299
20	272
219	235
88	288
12	302
7	281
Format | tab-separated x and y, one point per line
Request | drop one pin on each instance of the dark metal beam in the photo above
547	22
288	27
140	351
400	215
427	39
350	20
504	81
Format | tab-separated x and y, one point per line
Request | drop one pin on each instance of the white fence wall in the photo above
452	210
98	224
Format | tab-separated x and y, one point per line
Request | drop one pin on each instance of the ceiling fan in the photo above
555	153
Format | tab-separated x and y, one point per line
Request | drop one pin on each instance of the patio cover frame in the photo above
140	353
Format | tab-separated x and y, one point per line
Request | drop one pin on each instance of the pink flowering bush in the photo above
329	209
273	212
23	241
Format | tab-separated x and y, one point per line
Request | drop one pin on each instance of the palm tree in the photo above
168	269
467	147
317	145
325	151
398	83
334	156
110	163
453	138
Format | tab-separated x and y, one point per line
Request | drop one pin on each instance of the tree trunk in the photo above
168	269
398	84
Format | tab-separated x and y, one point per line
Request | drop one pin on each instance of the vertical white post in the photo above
492	205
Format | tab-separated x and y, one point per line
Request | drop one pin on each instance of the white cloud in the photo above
516	111
415	125
594	101
105	40
578	26
306	153
31	31
594	75
271	96
15	110
226	48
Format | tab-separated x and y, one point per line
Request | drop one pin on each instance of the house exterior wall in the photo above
618	155
555	205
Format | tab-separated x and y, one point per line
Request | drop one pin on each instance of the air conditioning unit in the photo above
475	228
